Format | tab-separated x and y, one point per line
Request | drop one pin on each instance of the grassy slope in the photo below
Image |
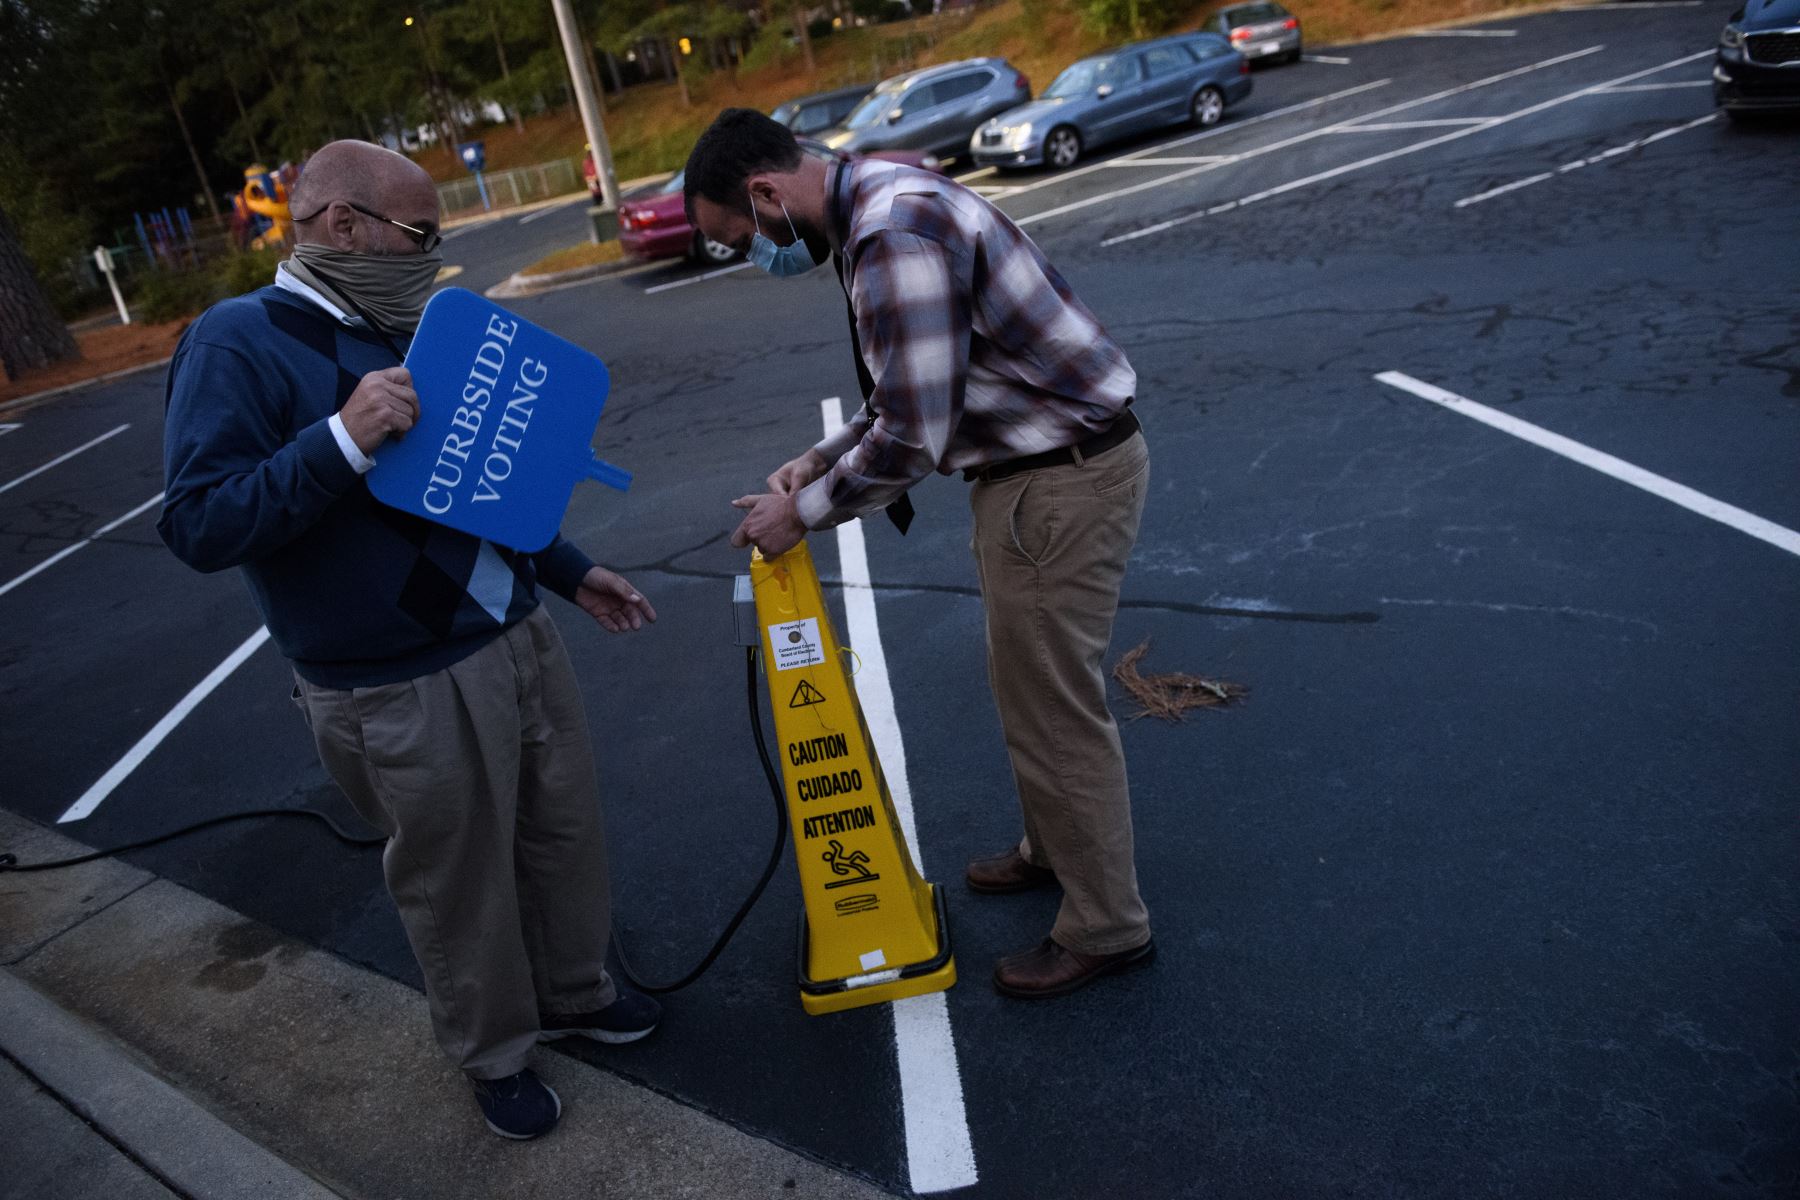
651	131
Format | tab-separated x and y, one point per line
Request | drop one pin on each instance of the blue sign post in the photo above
506	425
474	157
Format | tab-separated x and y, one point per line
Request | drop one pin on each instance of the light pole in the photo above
606	214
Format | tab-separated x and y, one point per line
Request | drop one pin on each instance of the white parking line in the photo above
1325	58
1165	162
1401	152
1215	131
62	458
627	273
1504	188
1396	126
1589	161
981	174
83	544
1419	33
134	757
665	287
7	427
1177	177
939	1153
1675	493
1004	193
1655	87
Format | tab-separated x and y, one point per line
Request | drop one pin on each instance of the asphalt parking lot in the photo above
1471	371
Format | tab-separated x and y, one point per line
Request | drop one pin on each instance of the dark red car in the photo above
653	221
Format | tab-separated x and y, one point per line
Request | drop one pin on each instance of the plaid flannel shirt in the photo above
978	350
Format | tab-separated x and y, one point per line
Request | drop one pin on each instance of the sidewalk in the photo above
153	1044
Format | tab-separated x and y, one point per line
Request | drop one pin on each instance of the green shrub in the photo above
70	299
170	294
770	47
1134	18
240	273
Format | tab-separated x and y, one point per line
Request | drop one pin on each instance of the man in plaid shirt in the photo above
975	356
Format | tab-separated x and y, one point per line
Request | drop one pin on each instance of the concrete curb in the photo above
183	1145
328	1068
22	401
520	284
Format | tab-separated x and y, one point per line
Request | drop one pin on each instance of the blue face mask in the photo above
783	262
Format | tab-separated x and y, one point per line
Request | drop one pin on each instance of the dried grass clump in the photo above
1168	697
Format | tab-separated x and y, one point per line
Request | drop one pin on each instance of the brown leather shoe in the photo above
1008	872
1053	970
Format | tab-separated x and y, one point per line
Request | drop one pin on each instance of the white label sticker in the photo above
873	959
797	644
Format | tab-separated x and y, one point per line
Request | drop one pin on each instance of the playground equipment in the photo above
167	237
259	213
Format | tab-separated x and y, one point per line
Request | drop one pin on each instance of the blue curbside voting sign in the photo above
506	424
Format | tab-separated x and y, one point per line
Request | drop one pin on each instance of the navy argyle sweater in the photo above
354	592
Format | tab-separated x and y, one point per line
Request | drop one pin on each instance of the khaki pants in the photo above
1051	547
482	776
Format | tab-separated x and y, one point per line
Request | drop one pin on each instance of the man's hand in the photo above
613	603
383	405
772	526
790	477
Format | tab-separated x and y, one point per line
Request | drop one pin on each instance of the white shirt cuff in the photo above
361	463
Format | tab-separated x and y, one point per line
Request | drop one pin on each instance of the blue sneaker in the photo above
632	1016
519	1106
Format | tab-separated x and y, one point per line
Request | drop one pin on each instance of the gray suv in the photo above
933	110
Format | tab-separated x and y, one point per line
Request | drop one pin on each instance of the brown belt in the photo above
1116	434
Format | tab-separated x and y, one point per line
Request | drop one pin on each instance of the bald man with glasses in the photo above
438	692
425	237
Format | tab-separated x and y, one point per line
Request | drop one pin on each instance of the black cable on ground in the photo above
11	863
762	752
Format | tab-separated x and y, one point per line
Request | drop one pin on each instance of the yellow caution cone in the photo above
872	930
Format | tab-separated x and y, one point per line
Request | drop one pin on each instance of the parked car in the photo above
1757	67
1113	95
820	111
1260	30
933	109
653	220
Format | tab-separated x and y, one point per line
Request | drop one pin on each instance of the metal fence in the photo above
510	189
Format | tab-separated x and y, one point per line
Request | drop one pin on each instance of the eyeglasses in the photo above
427	239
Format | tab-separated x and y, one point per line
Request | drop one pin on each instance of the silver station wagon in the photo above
1136	88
